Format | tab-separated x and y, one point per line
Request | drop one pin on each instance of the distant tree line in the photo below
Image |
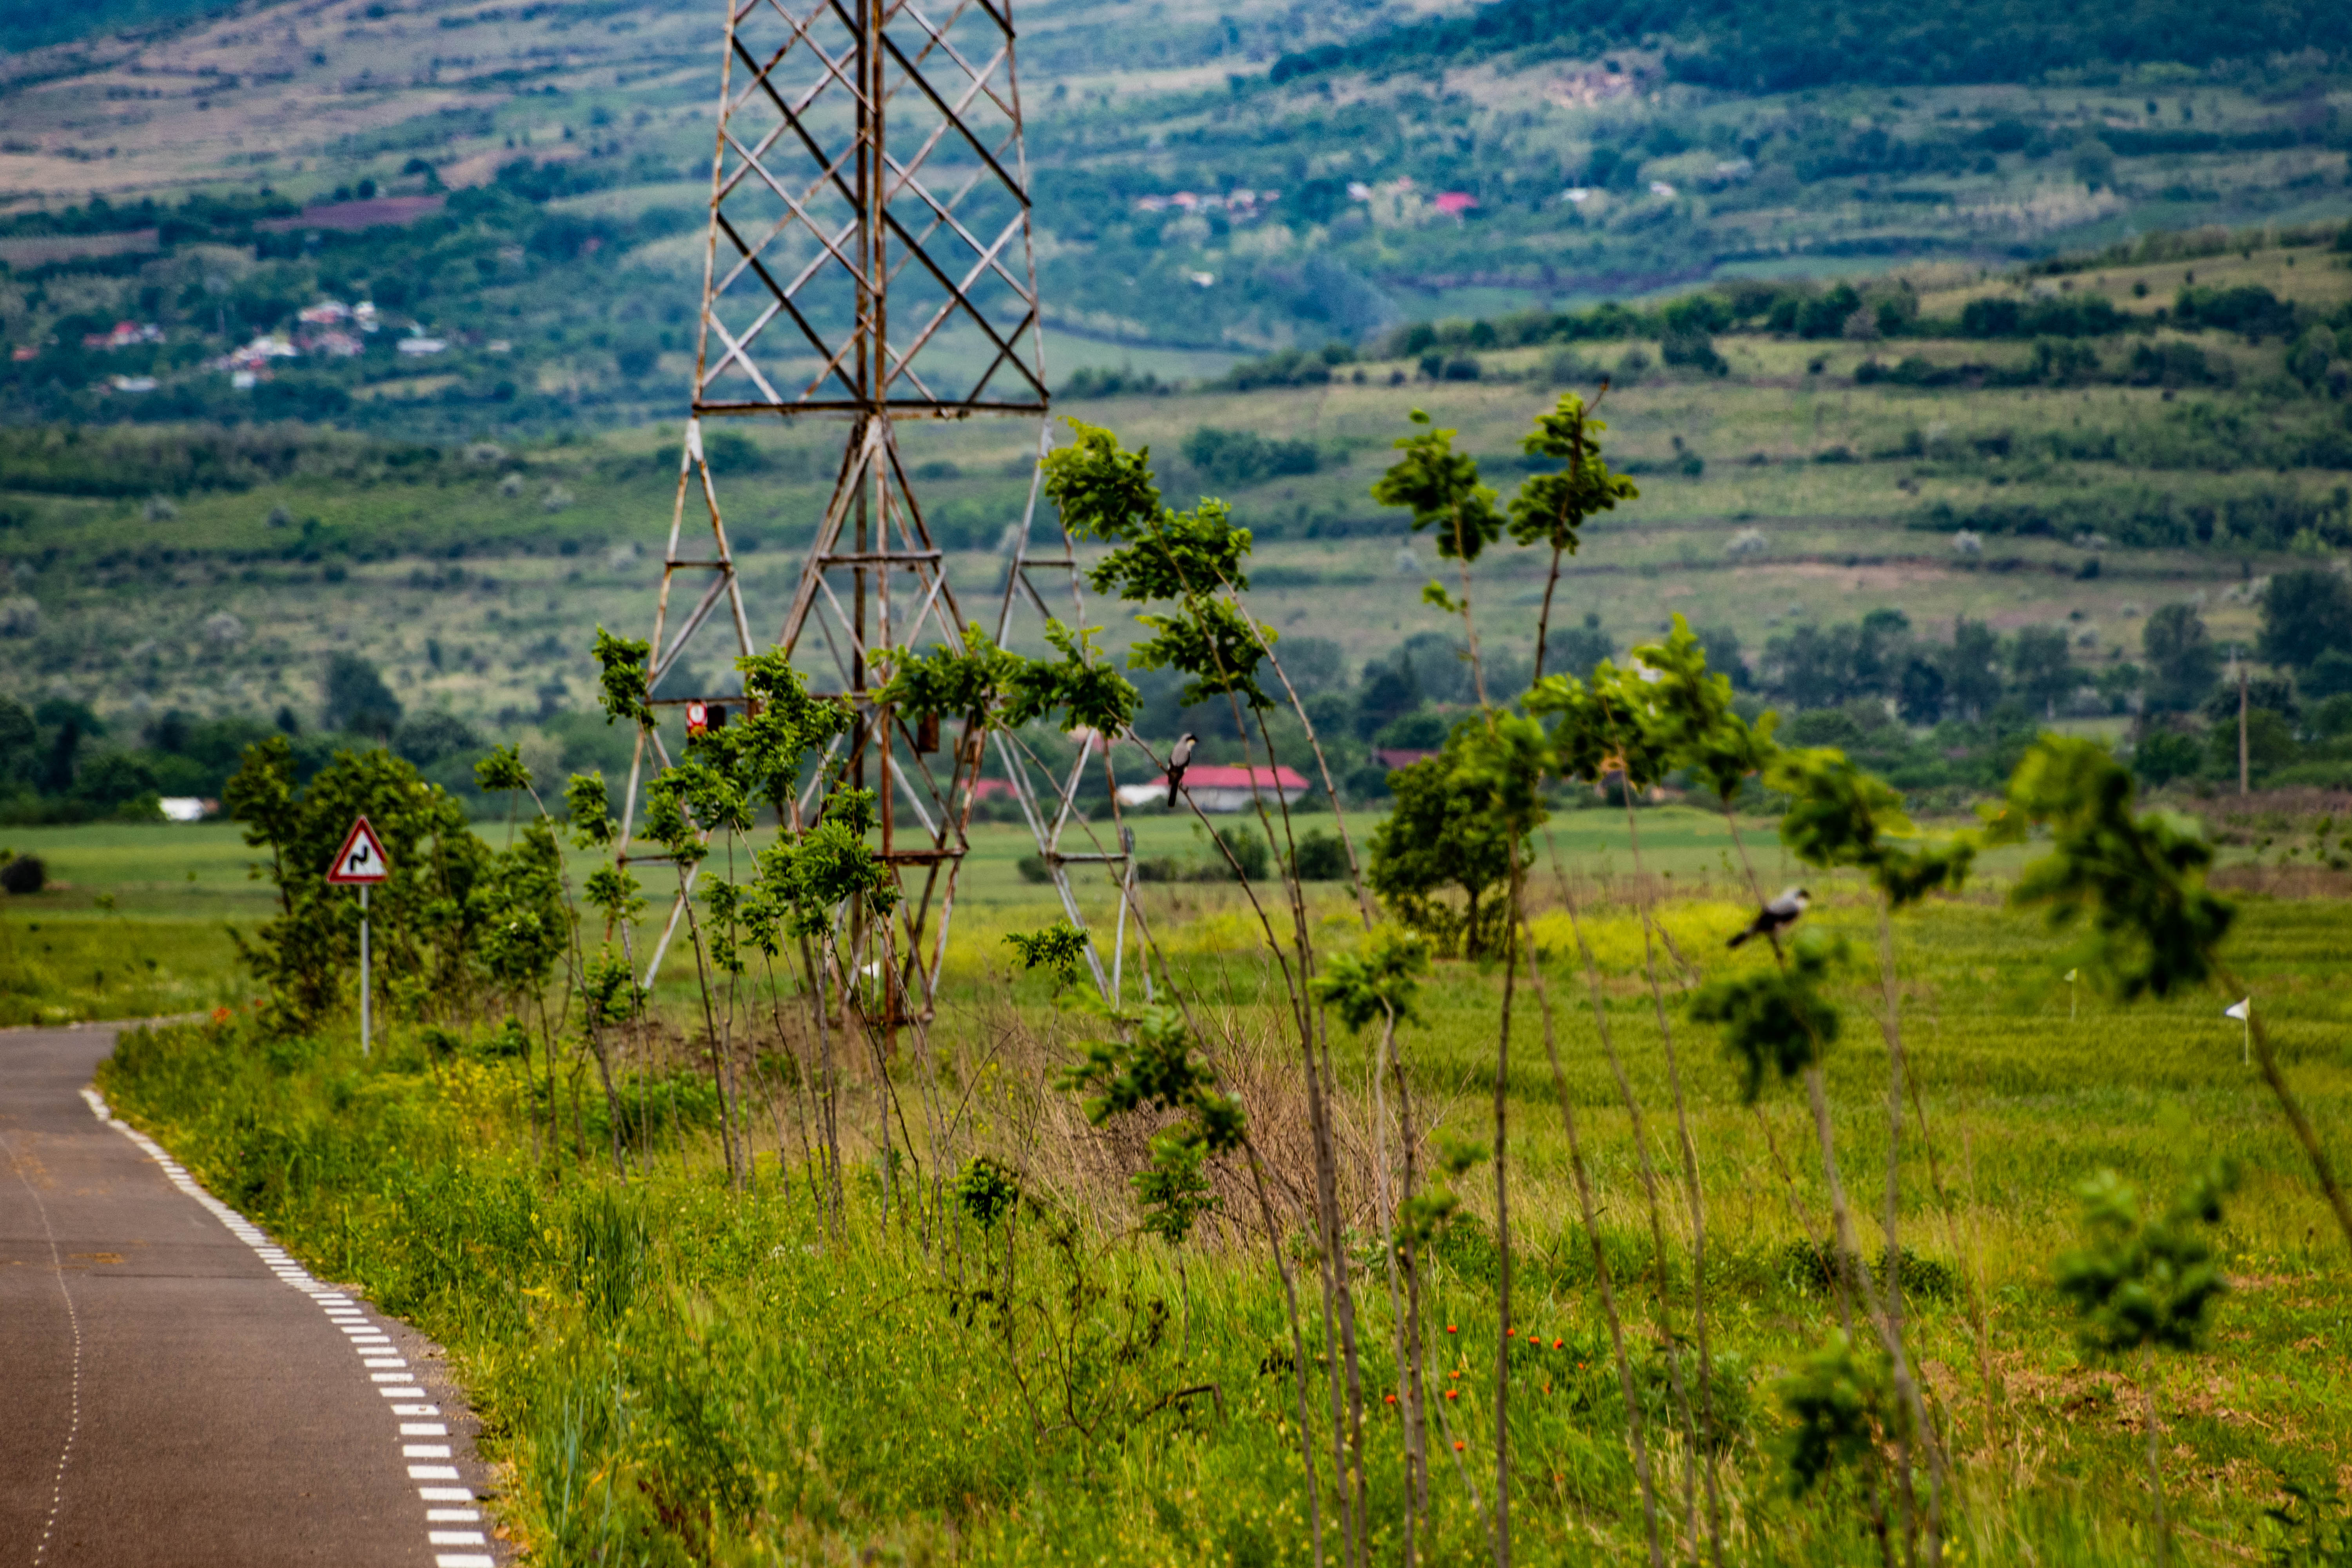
61	762
2261	518
1786	45
1938	715
1801	309
1938	718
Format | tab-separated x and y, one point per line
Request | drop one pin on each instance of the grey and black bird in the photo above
1776	917
1179	760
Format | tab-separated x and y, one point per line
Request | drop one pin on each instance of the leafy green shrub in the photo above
987	1190
1321	857
24	873
1249	853
1811	1266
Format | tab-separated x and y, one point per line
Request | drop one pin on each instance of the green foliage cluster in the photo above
1439	837
2137	882
1842	1406
1194	558
433	916
1055	949
1154	1068
2142	1281
1775	1022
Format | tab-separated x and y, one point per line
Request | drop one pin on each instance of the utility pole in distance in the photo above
2245	773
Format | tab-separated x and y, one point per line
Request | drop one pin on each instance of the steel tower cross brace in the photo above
868	262
1049	816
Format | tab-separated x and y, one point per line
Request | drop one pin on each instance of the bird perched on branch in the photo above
1775	917
1179	760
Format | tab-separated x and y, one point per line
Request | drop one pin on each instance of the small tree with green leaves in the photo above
422	920
1155	1068
1440	838
1195	563
1441	489
1058	950
1552	509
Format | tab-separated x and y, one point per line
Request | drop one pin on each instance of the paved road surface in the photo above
174	1390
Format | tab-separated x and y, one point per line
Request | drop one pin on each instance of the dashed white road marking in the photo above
73	1319
365	1336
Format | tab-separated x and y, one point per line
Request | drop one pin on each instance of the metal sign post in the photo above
362	862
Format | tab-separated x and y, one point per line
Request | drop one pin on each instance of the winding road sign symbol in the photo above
361	858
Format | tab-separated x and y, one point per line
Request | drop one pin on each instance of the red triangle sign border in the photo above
379	865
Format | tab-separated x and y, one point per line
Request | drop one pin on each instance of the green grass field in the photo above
119	894
674	1373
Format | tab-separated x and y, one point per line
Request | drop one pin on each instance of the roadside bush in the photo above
24	873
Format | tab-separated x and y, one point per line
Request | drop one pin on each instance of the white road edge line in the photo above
351	1320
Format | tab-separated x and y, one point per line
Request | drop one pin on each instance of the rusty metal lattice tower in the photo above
867	262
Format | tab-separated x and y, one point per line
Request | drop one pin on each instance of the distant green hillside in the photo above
1199	197
1776	47
29	24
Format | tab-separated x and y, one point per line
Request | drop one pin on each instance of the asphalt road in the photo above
176	1391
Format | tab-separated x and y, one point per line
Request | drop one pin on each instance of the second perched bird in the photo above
1775	917
1179	760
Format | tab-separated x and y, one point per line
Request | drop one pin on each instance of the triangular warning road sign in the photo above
361	858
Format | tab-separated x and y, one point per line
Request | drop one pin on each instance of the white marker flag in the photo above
2241	1011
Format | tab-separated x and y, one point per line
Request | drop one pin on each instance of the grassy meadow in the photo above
668	1371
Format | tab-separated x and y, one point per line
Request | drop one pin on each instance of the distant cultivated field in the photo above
480	589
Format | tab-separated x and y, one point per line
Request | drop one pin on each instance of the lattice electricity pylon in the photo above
870	155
